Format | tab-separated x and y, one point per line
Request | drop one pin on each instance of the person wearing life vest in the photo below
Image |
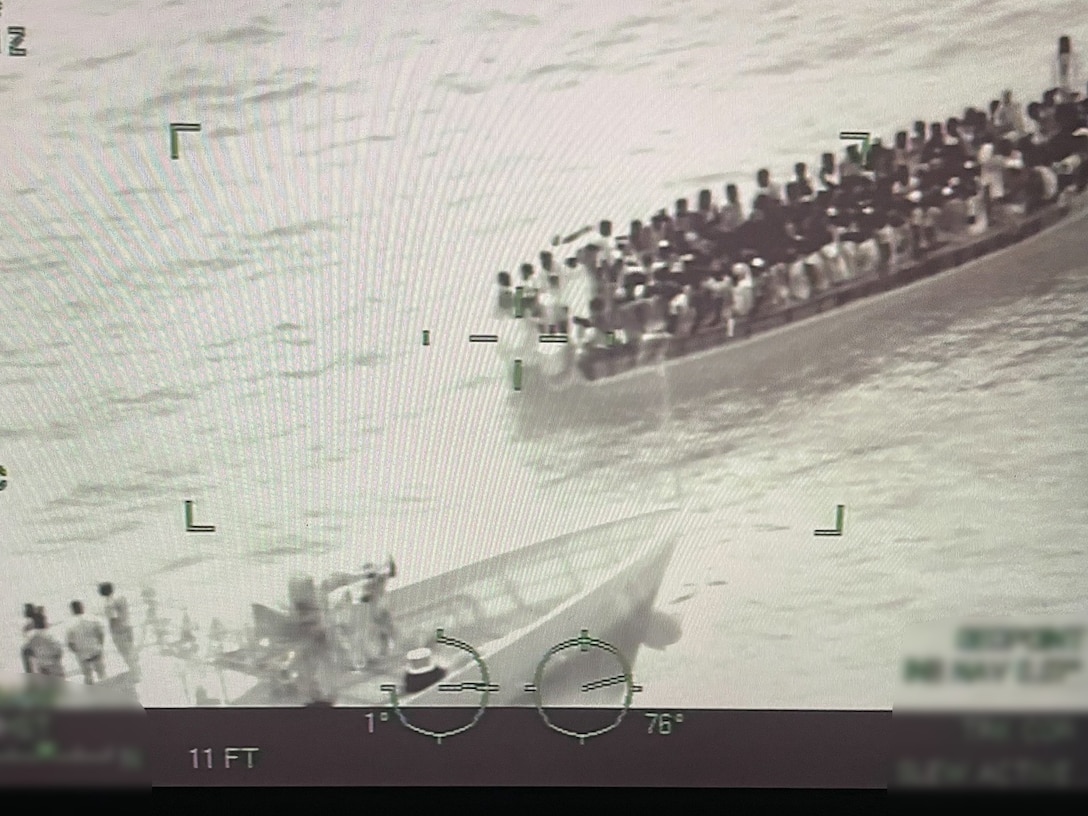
121	632
86	639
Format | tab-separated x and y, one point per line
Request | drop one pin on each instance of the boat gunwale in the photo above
660	553
850	294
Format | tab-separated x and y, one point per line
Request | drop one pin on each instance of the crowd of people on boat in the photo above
876	210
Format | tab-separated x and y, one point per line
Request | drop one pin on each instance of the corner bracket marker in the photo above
840	519
180	127
195	528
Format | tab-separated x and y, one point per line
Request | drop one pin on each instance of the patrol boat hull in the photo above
511	609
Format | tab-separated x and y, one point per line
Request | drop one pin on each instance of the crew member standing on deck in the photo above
379	618
116	609
315	646
86	639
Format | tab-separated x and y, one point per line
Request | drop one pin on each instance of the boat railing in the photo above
607	362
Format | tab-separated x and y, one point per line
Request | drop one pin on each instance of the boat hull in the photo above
510	608
709	362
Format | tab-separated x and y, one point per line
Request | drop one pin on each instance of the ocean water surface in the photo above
241	327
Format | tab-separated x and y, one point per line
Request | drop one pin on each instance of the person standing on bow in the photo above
86	639
379	618
121	632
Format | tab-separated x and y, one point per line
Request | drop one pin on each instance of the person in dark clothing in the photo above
30	611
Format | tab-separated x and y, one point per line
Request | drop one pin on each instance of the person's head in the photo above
827	162
105	589
681	207
732	195
994	105
936	130
1006	97
546	259
705	200
919	128
1065	45
28	610
504	279
606	229
901	140
76	607
553	281
1034	110
763	177
596	305
526	271
952	126
571	261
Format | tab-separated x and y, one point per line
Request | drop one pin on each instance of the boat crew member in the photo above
422	671
379	618
86	639
116	609
47	654
314	648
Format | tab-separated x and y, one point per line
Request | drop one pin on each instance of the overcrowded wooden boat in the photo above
616	376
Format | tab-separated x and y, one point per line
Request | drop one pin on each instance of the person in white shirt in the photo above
552	317
86	639
766	187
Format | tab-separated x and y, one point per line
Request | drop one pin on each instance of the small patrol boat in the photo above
504	613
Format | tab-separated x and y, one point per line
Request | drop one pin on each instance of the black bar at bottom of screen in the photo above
597	747
553	747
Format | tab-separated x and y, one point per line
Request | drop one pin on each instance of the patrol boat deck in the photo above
510	608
